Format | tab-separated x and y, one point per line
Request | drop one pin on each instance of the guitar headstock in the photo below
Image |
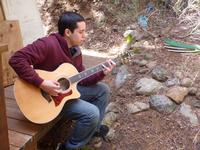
125	57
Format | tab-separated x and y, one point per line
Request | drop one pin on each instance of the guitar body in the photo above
34	105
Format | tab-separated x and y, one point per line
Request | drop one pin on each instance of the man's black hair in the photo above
68	20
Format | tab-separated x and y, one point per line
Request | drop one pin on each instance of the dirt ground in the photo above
147	130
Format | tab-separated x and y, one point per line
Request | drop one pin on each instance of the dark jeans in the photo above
88	111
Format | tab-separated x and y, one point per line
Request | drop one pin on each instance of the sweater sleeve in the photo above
23	60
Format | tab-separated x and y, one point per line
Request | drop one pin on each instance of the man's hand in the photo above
109	68
51	87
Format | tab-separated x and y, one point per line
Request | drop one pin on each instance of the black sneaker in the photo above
103	131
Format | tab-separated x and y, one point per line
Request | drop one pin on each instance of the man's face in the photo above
79	34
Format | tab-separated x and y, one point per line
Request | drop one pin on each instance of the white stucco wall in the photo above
28	15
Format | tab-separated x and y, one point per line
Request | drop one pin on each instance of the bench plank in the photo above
9	92
23	127
4	141
18	139
15	113
14	147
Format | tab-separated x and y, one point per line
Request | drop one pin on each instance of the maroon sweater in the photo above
47	54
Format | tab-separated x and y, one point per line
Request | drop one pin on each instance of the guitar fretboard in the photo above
91	71
88	72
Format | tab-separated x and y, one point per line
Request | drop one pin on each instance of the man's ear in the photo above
68	32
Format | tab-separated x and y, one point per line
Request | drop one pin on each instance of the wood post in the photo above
4	142
2	16
11	35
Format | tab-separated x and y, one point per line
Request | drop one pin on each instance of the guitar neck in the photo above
88	72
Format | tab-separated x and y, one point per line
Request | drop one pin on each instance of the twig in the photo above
158	139
154	36
195	138
195	78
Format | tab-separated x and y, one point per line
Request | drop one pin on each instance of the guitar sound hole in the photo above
64	83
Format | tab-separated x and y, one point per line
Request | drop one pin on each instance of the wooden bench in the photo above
22	134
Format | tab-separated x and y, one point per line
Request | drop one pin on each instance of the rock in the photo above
111	134
172	82
151	64
112	107
87	14
91	31
137	107
192	90
125	47
139	36
143	71
162	104
110	118
146	43
143	63
178	74
133	26
196	103
186	82
96	142
177	93
115	70
186	111
136	61
147	86
140	63
115	28
137	43
148	56
198	94
99	16
160	73
121	76
98	145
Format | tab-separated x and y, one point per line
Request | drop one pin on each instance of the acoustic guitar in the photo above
40	107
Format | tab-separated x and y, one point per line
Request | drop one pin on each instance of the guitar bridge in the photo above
46	95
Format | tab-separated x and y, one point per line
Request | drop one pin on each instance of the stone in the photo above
146	86
137	107
159	73
121	76
112	107
151	64
148	56
186	82
186	111
178	74
196	103
192	90
198	94
162	104
143	71
177	93
111	134
172	82
142	63
110	118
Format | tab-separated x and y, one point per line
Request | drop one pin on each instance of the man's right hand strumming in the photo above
51	87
